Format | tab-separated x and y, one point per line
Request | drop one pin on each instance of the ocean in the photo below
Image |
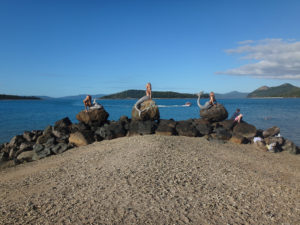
17	116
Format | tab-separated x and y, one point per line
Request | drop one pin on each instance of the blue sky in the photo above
60	48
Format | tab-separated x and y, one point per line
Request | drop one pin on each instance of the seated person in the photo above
237	116
212	101
87	102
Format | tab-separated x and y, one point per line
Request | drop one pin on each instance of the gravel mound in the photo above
154	180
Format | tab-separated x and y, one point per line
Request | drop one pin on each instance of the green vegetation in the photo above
285	90
16	97
155	94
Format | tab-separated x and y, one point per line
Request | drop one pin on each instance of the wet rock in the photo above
222	133
149	111
203	126
185	128
271	132
214	114
278	140
141	127
166	127
81	138
245	130
290	147
94	116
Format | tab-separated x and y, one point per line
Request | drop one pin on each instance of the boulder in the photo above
203	126
26	156
79	127
245	130
62	127
93	116
237	139
290	147
81	138
141	127
16	141
261	145
227	124
111	130
41	151
28	136
186	128
59	148
271	132
149	111
215	113
36	134
166	127
222	133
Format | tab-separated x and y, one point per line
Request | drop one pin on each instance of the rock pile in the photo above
94	126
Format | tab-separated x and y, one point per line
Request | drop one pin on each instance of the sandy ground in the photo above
154	180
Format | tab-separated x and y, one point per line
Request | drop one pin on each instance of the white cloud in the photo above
273	58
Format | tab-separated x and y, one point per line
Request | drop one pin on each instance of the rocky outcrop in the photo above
271	132
215	113
137	127
149	111
94	116
166	127
186	128
81	138
245	130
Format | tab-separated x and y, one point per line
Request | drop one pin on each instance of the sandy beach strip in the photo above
154	180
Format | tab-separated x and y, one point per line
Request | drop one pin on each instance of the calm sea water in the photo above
19	116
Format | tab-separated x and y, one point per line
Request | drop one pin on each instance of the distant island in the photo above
129	94
16	97
285	91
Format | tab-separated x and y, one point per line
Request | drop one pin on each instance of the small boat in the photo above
188	104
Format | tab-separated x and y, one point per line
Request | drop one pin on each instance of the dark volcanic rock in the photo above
222	133
28	136
16	141
81	138
185	128
79	127
62	127
227	124
149	111
41	151
111	130
4	156
166	127
214	114
141	127
94	116
271	132
203	126
245	130
59	148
